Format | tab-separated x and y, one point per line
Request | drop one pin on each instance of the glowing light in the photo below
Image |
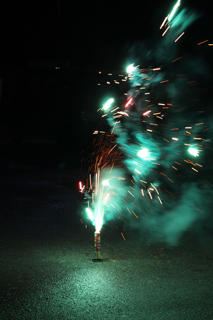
123	113
159	200
128	102
164	21
146	113
163	34
107	105
106	198
80	185
179	36
143	153
98	223
105	183
90	214
174	10
130	68
202	42
194	151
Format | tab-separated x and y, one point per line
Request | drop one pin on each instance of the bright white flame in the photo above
173	11
105	183
98	224
143	153
194	151
90	214
107	105
130	68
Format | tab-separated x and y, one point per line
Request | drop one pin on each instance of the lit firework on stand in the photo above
138	165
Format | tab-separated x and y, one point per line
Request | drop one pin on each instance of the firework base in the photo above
97	260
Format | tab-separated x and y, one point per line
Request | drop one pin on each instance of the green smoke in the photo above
161	188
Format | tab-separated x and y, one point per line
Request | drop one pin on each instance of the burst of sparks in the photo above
115	149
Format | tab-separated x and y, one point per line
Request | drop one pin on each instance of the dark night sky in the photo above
30	31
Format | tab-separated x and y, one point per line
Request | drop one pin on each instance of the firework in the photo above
139	167
97	247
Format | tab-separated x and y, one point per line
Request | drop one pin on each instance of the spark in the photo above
176	59
123	113
131	193
128	102
112	148
80	185
174	10
147	112
108	104
123	236
164	21
135	214
107	197
179	36
202	42
155	69
115	109
163	34
149	194
159	200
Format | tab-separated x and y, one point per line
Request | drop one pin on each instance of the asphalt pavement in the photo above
46	267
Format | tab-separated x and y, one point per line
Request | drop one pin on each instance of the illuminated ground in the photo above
46	268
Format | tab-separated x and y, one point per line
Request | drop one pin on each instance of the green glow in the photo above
107	105
173	11
143	153
98	223
130	68
194	151
105	183
90	214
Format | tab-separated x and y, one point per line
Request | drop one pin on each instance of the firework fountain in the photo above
145	170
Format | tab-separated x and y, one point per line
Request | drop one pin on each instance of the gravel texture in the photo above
46	268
